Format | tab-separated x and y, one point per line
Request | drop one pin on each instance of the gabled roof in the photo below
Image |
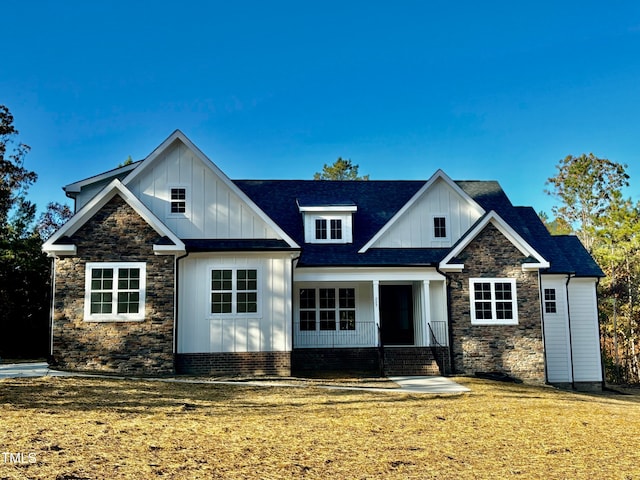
177	135
378	201
58	243
376	206
439	175
119	172
537	260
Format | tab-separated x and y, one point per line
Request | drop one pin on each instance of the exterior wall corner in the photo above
516	350
115	234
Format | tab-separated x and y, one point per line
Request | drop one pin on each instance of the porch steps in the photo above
410	361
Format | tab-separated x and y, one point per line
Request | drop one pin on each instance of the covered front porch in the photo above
349	317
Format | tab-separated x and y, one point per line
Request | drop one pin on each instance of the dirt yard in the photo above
90	428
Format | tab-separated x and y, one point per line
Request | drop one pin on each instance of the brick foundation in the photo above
310	360
234	363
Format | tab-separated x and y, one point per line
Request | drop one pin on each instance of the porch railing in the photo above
437	341
364	335
438	333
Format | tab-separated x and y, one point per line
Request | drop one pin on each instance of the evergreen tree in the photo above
24	269
340	170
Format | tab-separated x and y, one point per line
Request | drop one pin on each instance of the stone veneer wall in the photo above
517	350
115	234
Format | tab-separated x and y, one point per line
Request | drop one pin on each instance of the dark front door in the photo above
396	314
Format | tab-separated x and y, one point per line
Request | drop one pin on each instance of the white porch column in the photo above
376	307
426	309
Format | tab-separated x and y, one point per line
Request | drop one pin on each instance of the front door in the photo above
396	314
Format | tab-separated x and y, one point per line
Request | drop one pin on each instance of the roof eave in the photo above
529	267
169	250
76	187
54	250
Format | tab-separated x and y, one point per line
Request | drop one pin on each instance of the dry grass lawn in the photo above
93	428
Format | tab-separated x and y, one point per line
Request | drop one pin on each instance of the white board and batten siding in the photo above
415	228
572	340
268	330
585	335
556	332
213	209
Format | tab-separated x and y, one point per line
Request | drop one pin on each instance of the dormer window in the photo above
328	229
327	223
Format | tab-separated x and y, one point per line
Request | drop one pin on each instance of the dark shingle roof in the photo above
217	245
316	255
565	253
378	201
488	194
580	260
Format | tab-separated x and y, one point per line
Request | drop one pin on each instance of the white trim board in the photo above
514	237
95	204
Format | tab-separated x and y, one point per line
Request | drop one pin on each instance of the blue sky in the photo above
275	89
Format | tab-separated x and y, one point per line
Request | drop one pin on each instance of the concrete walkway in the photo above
429	384
40	369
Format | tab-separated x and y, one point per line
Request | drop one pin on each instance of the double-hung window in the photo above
115	291
178	201
234	291
493	301
327	309
550	305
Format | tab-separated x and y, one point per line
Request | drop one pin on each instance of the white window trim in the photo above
346	228
337	308
446	227
114	316
547	303
187	202
494	320
234	292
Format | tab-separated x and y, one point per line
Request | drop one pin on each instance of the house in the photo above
168	266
